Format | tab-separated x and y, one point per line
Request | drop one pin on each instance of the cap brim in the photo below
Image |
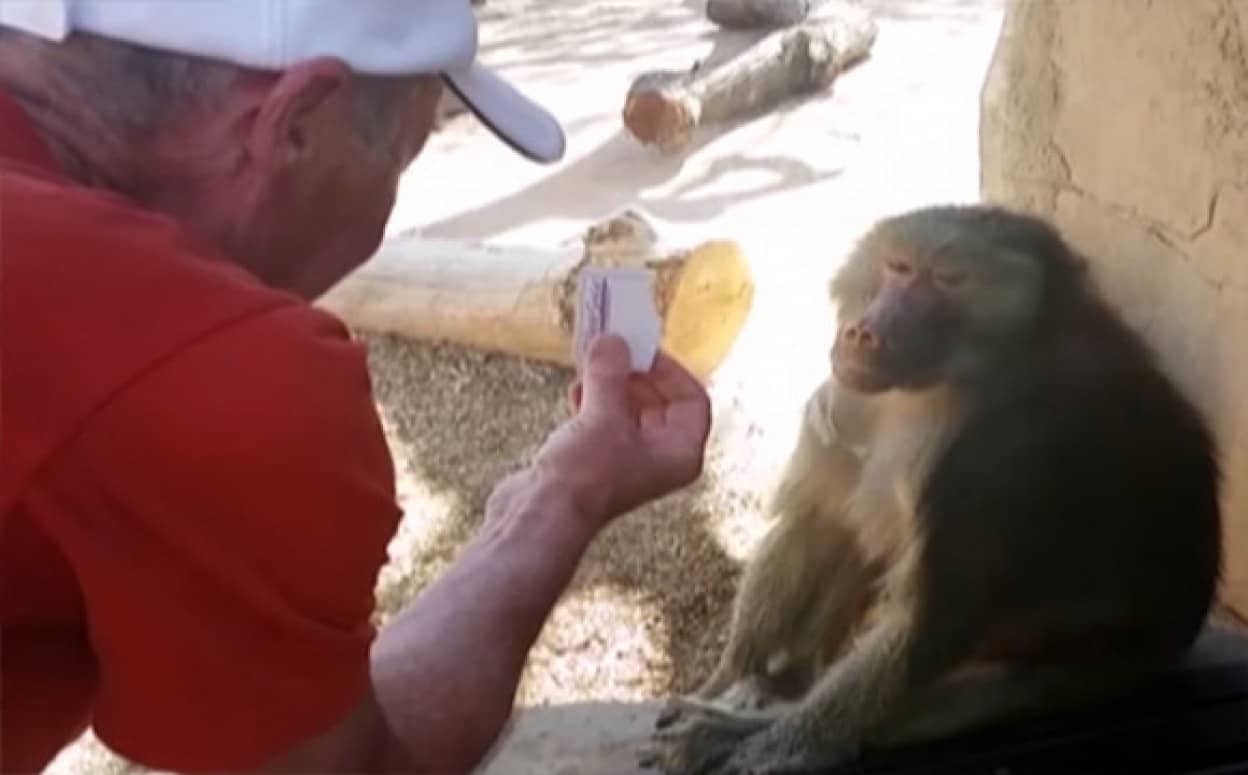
514	118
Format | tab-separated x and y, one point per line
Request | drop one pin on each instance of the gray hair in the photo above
158	86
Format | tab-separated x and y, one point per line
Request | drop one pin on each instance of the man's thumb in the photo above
604	376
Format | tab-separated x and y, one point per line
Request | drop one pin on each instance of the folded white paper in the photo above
618	300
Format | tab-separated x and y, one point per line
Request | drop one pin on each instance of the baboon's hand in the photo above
672	711
741	705
784	748
697	745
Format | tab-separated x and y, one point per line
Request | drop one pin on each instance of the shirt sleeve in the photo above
233	508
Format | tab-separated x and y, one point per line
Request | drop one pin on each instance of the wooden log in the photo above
756	14
664	108
519	300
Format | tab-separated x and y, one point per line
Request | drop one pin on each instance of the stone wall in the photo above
1126	122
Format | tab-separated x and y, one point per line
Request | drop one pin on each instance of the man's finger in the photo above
644	395
688	405
605	372
672	380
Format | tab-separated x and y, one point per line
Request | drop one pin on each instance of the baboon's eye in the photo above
898	266
950	278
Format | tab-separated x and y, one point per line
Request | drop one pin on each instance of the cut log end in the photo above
705	302
655	119
703	297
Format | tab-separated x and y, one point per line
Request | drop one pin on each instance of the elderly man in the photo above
195	491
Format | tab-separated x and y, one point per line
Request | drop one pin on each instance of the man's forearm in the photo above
446	669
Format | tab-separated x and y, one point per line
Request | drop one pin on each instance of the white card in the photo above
618	300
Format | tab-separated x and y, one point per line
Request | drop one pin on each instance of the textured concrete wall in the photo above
1126	121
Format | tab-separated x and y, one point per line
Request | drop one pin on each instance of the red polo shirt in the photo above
195	492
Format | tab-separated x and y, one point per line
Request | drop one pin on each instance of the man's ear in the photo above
296	107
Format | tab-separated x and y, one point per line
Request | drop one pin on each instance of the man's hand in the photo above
633	437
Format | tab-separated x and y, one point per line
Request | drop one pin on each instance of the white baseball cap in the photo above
374	37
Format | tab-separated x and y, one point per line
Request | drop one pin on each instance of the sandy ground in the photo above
793	187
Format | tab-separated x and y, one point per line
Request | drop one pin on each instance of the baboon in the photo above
998	504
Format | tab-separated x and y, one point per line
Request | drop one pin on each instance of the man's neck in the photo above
84	148
89	150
